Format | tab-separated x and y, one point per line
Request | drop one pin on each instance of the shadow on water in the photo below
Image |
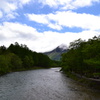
43	84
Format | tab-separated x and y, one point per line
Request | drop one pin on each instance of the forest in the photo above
83	58
19	57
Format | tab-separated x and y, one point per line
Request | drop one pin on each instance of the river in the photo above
43	84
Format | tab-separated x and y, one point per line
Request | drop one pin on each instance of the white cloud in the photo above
11	32
24	1
54	26
1	14
72	19
44	19
68	4
83	3
38	18
40	42
67	19
9	7
11	15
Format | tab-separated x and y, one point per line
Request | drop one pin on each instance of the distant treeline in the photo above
19	57
83	57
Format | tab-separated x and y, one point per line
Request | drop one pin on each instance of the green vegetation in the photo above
83	58
83	81
18	57
54	56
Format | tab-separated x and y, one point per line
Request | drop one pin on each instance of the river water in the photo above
43	84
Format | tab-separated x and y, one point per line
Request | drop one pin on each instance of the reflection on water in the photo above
43	84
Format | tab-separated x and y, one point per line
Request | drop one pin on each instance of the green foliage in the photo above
4	68
2	50
18	57
15	61
56	63
83	57
43	60
28	61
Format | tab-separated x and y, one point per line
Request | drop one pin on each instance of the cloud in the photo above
1	14
47	40
44	19
11	30
21	33
83	3
68	4
24	1
54	26
11	15
36	41
9	7
67	19
38	18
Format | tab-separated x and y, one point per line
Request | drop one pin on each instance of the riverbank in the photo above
24	69
87	82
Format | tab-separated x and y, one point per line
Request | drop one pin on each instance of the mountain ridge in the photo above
55	54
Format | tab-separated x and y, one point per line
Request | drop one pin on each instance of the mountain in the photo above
55	54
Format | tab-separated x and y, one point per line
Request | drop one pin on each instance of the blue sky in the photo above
45	24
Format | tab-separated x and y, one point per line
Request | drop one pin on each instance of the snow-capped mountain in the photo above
55	54
63	47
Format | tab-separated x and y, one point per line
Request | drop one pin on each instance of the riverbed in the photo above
43	84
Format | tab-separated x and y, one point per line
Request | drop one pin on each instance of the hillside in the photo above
55	54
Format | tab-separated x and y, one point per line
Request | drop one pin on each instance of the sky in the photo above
45	24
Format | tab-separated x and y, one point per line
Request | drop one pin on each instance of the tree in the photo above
15	61
4	65
2	49
83	57
28	62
